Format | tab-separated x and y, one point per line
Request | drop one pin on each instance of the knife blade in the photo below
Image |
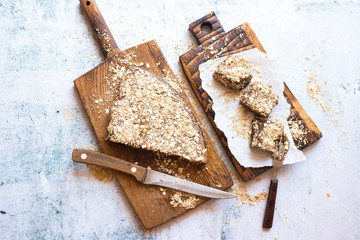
147	176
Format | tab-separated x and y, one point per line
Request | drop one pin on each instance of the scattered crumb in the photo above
275	237
184	200
317	93
68	113
246	198
209	84
328	195
308	58
241	122
183	47
258	180
212	209
314	89
228	222
101	174
190	45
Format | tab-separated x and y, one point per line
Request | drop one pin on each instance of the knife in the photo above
147	176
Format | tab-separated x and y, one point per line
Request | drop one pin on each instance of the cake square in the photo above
259	98
265	135
233	73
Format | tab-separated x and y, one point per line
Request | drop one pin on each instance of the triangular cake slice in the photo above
148	113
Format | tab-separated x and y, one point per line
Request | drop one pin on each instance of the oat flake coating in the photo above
149	114
233	72
265	135
259	98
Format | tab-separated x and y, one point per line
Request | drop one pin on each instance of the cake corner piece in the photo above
265	135
233	73
260	98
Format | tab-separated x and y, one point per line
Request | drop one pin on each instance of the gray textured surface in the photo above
45	45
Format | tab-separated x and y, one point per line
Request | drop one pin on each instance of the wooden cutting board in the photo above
151	205
216	42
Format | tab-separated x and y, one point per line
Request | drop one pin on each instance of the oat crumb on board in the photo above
328	195
228	222
184	200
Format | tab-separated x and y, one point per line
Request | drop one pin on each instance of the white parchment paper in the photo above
234	121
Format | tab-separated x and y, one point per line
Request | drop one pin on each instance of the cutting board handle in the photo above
106	40
206	27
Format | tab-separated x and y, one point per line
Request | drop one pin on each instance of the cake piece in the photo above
300	132
234	73
151	115
265	135
259	98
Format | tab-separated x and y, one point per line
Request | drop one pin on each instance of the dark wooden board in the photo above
150	204
217	43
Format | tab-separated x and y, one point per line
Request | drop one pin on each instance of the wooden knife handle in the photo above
270	206
106	40
99	159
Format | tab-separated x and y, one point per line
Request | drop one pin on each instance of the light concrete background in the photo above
45	45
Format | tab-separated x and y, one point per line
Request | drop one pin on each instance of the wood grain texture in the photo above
150	204
220	43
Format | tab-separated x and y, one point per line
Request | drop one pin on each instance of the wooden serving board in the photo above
216	42
151	205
